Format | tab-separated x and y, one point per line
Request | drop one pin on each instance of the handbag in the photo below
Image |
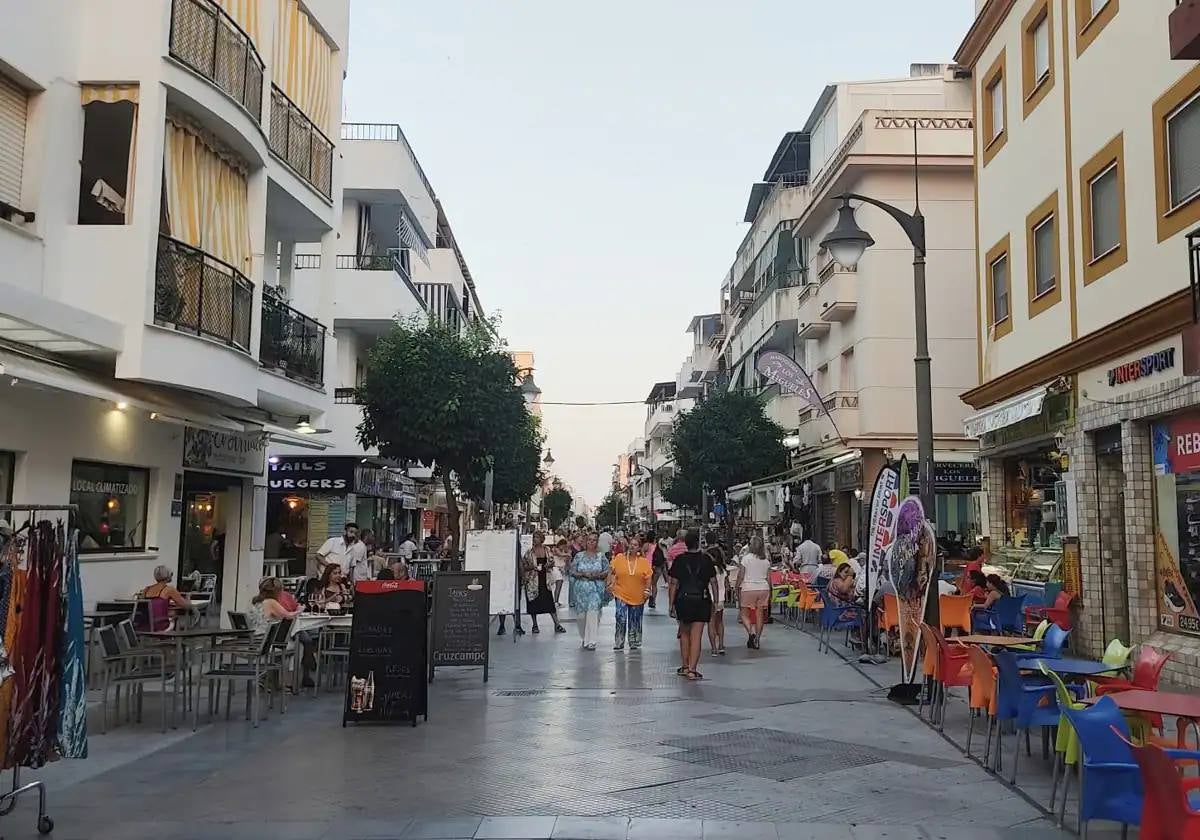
691	593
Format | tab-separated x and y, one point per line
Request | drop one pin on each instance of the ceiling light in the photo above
122	405
274	459
153	415
14	381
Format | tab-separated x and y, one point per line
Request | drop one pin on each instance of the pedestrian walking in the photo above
561	554
716	624
536	567
754	591
807	558
630	582
693	588
589	572
658	563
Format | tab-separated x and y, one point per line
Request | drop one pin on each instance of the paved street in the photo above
780	743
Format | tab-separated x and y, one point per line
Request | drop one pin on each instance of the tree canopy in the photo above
515	465
611	512
724	441
556	507
433	394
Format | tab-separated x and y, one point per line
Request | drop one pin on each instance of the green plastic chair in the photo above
1038	632
1116	654
1066	745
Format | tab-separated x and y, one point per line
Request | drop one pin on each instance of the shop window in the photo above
1102	181
1091	16
106	163
1045	290
1177	522
1176	127
995	112
1030	501
287	530
8	462
1037	55
113	502
999	290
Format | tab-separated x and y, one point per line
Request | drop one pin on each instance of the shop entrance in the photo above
211	534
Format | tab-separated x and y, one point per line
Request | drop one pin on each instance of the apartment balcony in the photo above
1183	27
660	420
197	293
371	290
207	40
740	302
297	141
817	428
837	293
291	343
441	300
812	330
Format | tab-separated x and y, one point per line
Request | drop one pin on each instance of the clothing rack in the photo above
8	801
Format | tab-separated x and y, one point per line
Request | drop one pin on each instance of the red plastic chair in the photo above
1147	669
953	668
1060	613
1166	814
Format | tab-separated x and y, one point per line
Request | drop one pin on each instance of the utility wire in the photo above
613	402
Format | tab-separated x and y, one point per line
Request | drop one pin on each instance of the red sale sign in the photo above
1183	447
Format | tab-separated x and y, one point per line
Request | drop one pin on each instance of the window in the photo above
7	471
995	114
13	105
1037	55
1102	185
106	164
112	502
848	378
1041	242
1176	124
1091	16
999	290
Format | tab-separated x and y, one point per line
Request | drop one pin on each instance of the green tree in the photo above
516	472
556	507
446	398
724	441
611	511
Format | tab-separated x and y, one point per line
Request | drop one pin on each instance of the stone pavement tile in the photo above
663	829
442	829
736	830
354	828
865	831
813	831
591	828
515	828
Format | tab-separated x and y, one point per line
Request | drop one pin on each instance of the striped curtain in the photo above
245	13
206	198
302	65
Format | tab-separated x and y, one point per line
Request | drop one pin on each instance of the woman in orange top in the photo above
630	584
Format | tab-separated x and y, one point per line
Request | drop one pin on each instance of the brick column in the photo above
1139	529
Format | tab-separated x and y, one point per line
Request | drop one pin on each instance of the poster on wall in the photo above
911	565
204	449
1176	445
885	503
1176	609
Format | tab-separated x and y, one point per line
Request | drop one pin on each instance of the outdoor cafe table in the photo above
187	637
1185	706
994	641
1070	665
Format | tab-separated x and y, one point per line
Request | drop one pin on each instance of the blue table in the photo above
1070	665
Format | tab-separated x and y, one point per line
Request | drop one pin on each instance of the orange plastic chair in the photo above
956	612
982	697
929	668
891	614
953	667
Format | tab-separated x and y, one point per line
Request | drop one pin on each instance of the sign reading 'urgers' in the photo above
1139	368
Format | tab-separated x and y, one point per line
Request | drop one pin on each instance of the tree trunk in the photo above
453	513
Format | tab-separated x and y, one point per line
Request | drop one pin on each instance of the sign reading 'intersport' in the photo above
1139	368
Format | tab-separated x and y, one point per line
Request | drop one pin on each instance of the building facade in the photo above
1086	405
853	331
155	162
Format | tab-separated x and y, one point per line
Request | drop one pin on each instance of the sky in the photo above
594	160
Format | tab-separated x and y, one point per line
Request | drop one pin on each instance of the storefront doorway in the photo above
211	533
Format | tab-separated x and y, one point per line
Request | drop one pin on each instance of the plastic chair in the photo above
955	612
1110	784
1053	641
953	669
1058	612
1004	616
837	615
1167	813
982	697
1116	654
929	667
779	595
1026	703
1066	742
1147	669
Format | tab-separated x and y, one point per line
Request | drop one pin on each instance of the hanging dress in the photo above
13	552
72	724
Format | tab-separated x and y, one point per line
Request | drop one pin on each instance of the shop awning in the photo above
1020	407
278	434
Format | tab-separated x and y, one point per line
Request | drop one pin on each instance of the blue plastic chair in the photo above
1110	783
837	615
1025	702
1053	642
1007	615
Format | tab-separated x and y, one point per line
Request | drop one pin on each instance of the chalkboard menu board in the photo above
388	643
460	620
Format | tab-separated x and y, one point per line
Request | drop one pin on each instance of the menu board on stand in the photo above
388	645
460	620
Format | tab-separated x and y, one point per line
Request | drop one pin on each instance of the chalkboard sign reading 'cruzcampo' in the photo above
460	620
388	643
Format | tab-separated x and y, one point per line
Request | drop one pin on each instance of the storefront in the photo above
956	485
311	498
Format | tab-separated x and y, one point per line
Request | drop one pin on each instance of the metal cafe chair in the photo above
132	668
252	668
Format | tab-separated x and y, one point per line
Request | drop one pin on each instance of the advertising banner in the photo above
789	376
911	566
885	503
1176	609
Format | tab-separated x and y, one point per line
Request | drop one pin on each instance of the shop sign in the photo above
1140	368
849	476
1016	410
1151	364
1058	412
949	476
301	472
204	449
382	483
1176	445
823	482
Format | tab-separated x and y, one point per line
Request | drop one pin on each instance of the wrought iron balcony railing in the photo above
196	292
206	39
300	144
292	343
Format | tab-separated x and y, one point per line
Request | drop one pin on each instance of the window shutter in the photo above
13	102
1183	138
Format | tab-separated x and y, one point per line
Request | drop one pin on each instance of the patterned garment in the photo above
72	724
589	594
629	622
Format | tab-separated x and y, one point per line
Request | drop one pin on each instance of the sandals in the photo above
694	676
682	671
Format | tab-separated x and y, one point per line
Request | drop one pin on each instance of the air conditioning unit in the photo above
107	197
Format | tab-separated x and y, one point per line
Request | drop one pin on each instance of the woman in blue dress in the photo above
589	572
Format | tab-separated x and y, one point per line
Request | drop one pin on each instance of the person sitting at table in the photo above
977	586
399	569
386	574
842	586
332	588
268	607
162	596
996	589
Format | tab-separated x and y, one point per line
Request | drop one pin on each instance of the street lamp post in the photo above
846	243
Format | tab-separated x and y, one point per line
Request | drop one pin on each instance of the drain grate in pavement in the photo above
523	692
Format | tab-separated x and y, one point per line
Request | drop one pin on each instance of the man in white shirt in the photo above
346	551
604	542
808	557
407	547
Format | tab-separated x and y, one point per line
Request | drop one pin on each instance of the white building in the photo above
155	158
853	331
